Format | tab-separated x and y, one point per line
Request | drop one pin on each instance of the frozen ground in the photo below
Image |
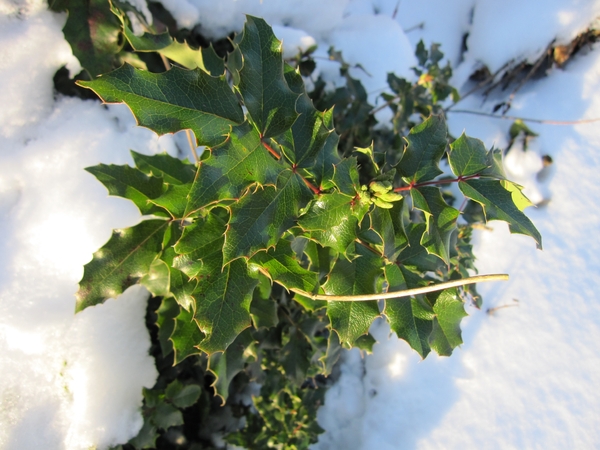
526	376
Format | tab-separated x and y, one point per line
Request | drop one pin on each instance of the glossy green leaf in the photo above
260	217
226	365
186	336
498	204
166	416
468	156
414	255
384	229
171	170
449	311
158	279
121	262
232	168
282	266
440	220
332	221
130	183
93	33
308	134
271	103
353	319
405	314
174	199
426	146
326	159
172	101
223	306
200	247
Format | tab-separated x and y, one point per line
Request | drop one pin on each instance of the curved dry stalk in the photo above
403	293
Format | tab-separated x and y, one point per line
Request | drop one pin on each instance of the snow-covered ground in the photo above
526	376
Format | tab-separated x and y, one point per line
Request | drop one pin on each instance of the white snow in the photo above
526	376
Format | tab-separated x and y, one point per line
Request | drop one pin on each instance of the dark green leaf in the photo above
449	311
166	416
281	264
384	229
353	319
260	217
171	170
226	365
498	204
440	220
468	156
174	199
426	145
333	220
405	314
174	100
333	353
147	436
130	183
93	33
345	176
270	102
223	305
415	255
165	320
232	167
308	134
186	336
157	280
323	168
200	247
120	263
365	343
295	356
183	396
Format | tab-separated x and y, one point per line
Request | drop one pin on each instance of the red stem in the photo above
434	183
271	151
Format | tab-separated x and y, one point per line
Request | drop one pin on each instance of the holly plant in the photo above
268	252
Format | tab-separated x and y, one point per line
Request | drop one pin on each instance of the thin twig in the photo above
525	119
188	133
403	293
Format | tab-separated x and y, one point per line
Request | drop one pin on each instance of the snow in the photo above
526	374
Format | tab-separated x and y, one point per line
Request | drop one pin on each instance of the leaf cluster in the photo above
242	244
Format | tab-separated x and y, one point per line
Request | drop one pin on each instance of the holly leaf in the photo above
200	247
226	365
326	159
171	170
233	167
495	167
263	309
351	320
130	183
165	320
120	263
449	311
174	199
182	288
158	279
308	134
175	100
186	336
426	146
345	176
332	221
468	156
332	354
384	229
295	356
414	254
406	315
498	204
260	217
92	32
440	219
282	266
182	396
270	102
223	306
